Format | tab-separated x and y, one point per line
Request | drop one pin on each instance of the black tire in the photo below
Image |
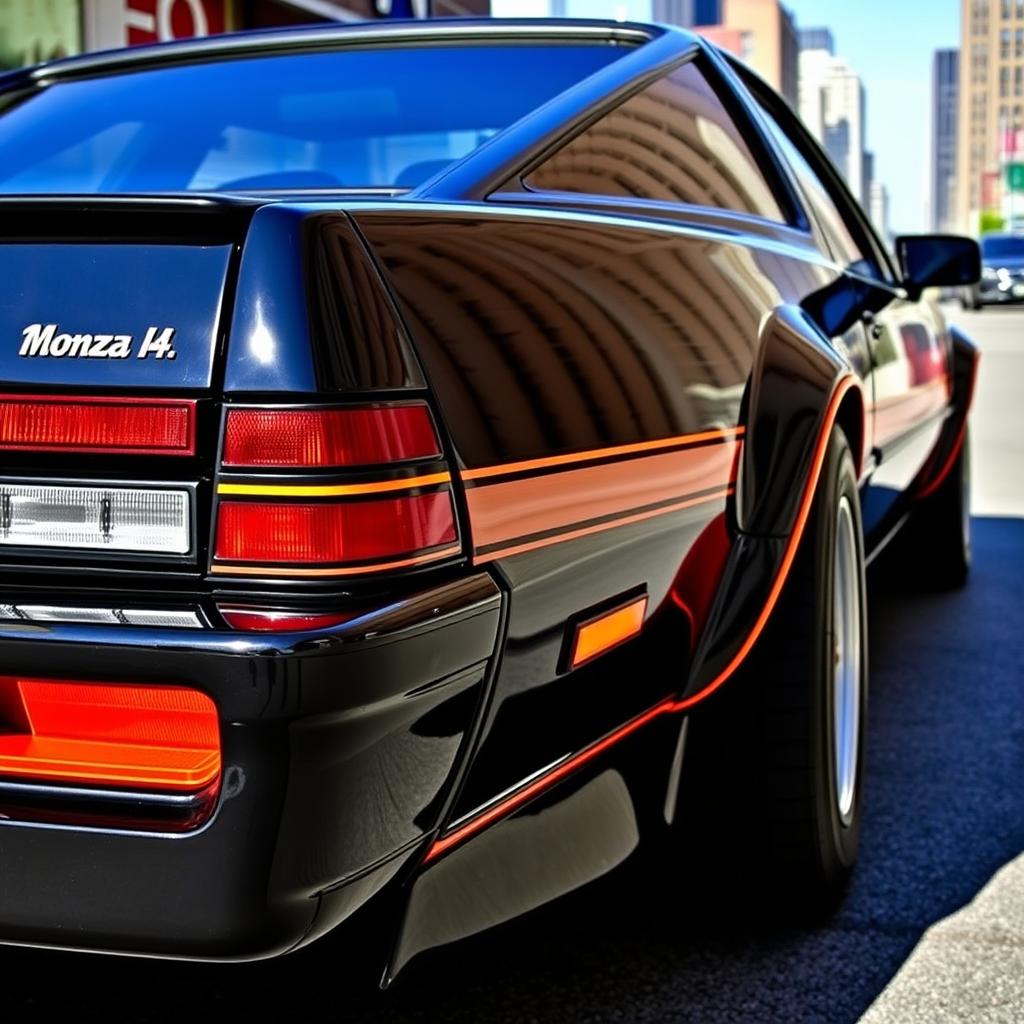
933	548
760	777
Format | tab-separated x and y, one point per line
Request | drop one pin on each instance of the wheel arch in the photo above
800	389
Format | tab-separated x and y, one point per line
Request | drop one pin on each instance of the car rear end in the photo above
243	649
234	606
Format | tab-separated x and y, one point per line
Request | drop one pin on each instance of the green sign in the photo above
41	30
1015	177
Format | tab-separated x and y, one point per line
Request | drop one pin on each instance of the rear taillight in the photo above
396	512
329	437
135	426
299	532
112	735
265	620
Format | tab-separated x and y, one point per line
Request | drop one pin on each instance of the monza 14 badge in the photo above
48	341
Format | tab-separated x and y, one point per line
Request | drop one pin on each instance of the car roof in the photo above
263	42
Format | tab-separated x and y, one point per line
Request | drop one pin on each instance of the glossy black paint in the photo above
310	314
317	732
539	326
794	377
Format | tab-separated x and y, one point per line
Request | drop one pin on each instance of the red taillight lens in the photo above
357	531
114	425
106	734
268	621
329	437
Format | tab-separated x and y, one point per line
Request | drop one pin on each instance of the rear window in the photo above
345	119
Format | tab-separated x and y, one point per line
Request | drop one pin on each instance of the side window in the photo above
842	236
673	142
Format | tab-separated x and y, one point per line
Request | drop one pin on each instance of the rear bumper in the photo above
340	748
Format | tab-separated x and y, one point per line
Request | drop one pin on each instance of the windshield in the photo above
1000	246
349	118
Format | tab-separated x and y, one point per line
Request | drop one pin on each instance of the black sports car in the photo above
435	457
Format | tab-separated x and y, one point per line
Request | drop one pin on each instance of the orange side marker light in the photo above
607	630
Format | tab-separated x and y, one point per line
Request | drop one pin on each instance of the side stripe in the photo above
507	805
508	516
639	448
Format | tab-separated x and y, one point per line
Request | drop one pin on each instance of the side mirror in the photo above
937	261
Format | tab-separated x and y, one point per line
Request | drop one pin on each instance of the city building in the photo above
833	106
46	29
687	12
990	121
878	210
673	12
762	33
942	140
817	38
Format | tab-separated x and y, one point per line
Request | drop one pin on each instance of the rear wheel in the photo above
776	773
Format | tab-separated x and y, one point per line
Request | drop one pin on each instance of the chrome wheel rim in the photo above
846	671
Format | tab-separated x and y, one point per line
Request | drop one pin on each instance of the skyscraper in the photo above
832	106
762	33
878	210
942	165
817	38
990	119
674	12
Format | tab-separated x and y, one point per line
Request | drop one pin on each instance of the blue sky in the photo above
888	42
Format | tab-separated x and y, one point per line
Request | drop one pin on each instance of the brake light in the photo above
268	621
136	426
329	437
393	514
108	734
303	533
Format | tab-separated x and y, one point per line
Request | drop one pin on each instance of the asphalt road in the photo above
925	933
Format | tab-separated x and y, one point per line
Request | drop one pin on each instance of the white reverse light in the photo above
175	618
95	518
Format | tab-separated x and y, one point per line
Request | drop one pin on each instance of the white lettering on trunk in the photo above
43	340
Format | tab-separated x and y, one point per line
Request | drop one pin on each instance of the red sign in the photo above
990	190
157	21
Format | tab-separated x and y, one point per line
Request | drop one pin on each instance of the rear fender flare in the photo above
964	361
800	388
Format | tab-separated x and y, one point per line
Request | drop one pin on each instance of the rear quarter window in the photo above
673	142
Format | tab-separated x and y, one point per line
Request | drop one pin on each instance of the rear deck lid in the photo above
110	315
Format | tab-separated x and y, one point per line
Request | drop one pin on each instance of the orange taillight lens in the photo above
108	734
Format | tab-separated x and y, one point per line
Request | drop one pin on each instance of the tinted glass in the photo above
349	118
999	246
674	142
818	197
